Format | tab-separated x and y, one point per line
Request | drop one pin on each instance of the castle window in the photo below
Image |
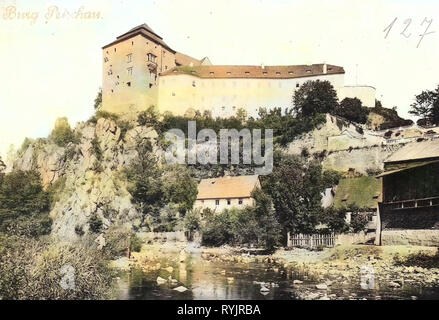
193	84
150	85
118	76
129	57
110	72
105	59
224	108
297	85
166	67
107	51
114	49
229	202
217	202
152	58
130	71
240	201
234	108
129	84
112	90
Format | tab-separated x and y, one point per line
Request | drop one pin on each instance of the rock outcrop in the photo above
88	175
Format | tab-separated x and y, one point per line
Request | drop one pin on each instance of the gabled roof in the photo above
364	192
416	151
227	187
143	30
185	60
269	72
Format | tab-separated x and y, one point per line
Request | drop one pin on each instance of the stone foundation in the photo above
410	237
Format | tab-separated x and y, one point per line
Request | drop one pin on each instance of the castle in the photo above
140	70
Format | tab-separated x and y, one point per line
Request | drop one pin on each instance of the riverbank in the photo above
343	272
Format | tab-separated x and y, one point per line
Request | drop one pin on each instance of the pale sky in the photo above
51	66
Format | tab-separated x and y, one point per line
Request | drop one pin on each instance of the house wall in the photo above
117	96
180	92
210	203
419	218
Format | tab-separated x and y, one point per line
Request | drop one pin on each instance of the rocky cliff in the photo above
85	175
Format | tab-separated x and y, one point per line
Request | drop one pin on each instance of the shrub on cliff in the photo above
63	134
352	110
24	205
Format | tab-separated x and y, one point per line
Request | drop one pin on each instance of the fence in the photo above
311	240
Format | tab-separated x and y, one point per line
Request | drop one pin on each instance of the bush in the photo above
95	224
117	241
352	110
24	205
135	243
34	269
62	134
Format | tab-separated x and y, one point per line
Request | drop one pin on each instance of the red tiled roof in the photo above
227	187
269	72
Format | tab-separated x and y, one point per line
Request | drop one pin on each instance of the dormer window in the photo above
278	73
308	71
265	73
247	73
229	73
290	72
211	73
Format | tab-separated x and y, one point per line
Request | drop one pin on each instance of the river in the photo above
214	279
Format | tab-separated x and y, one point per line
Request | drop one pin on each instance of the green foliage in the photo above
315	97
23	202
295	187
96	148
192	220
152	186
251	225
418	259
33	270
359	218
334	220
135	243
55	190
426	106
103	114
391	117
98	100
352	110
117	241
234	227
95	224
63	134
150	118
26	144
331	178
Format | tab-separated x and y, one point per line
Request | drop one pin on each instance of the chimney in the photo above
325	68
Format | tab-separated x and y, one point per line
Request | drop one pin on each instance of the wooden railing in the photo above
411	204
311	240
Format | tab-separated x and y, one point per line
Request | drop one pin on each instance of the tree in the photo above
315	97
353	110
426	105
98	100
63	134
296	189
269	227
24	205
